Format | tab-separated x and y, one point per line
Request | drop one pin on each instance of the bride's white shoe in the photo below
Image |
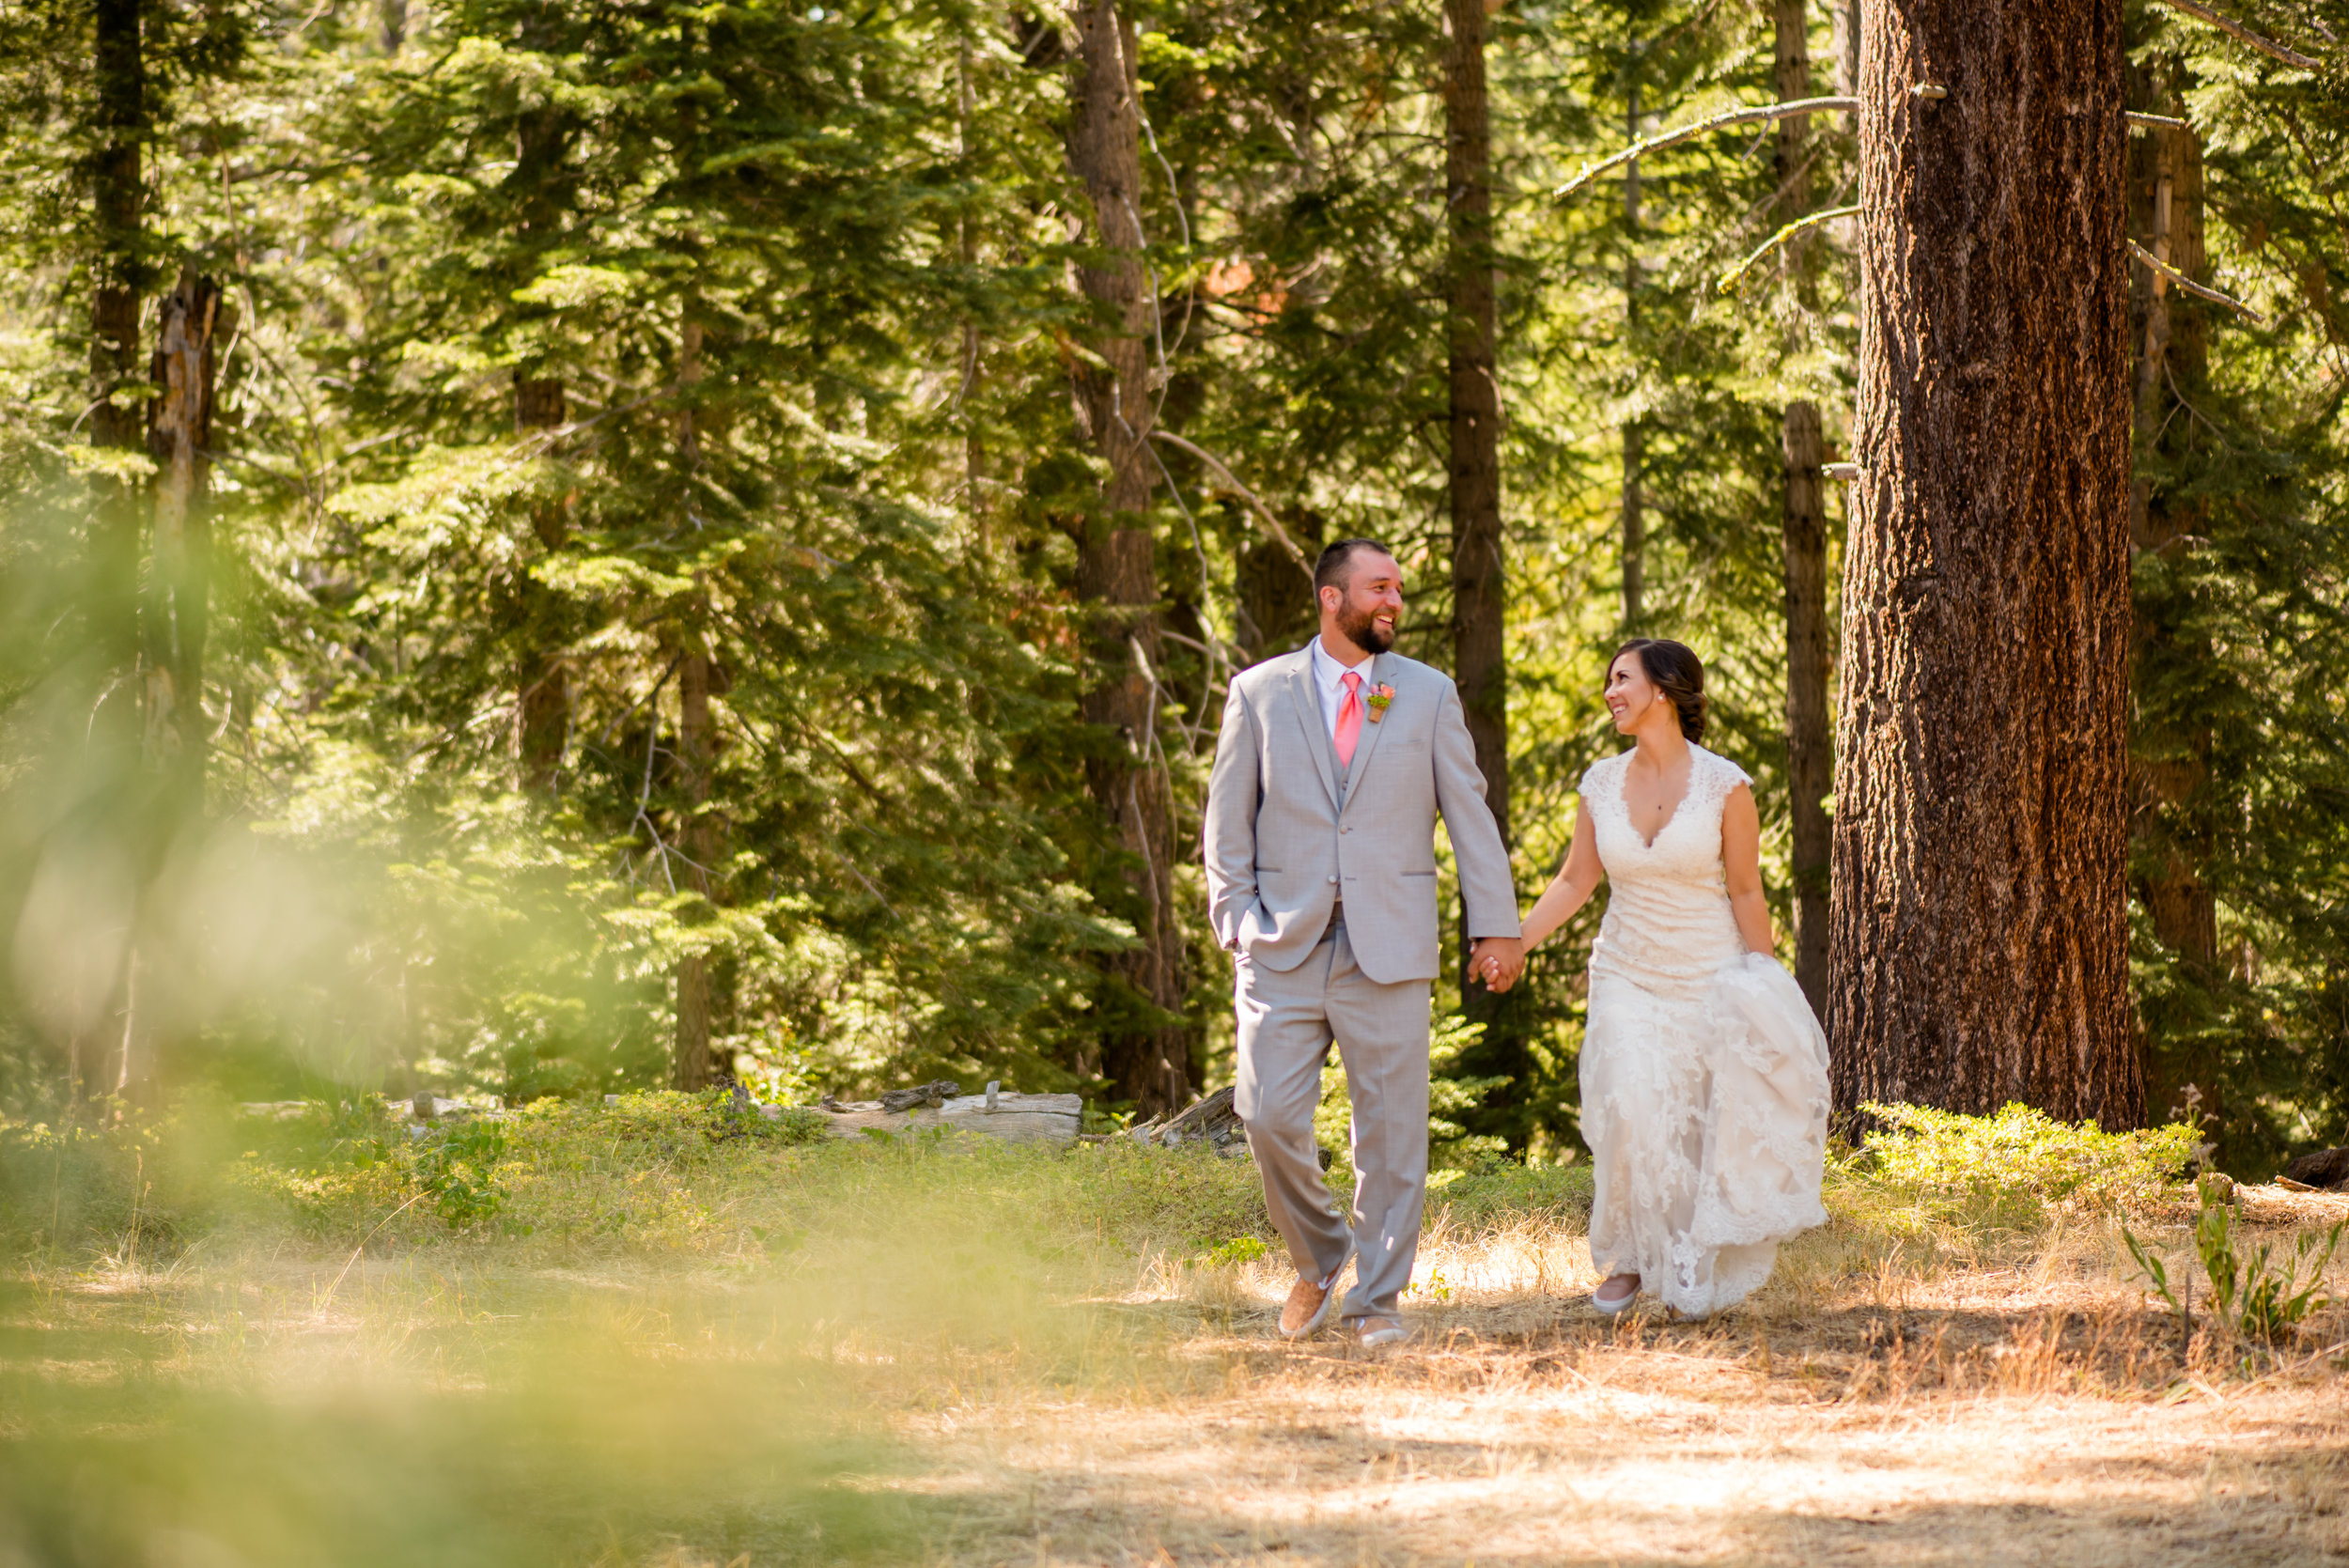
1611	1305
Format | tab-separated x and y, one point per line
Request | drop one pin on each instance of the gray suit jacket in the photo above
1287	830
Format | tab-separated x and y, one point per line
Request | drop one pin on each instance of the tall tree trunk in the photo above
974	456
2176	768
2172	827
1479	585
545	677
1479	663
1810	750
1275	610
701	838
1848	23
1844	47
117	394
691	1065
1981	824
116	420
119	265
1634	443
540	182
1145	1050
179	428
1792	29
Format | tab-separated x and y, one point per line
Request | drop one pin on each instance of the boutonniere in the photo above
1380	695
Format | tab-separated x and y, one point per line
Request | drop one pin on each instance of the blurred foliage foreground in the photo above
660	1330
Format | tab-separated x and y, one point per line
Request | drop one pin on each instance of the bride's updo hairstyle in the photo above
1674	669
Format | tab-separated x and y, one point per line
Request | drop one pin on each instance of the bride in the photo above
1704	1087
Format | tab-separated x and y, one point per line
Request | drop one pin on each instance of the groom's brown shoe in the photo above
1308	1306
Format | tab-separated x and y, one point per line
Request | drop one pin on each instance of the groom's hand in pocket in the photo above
1497	961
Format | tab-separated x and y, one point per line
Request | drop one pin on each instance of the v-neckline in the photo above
1622	797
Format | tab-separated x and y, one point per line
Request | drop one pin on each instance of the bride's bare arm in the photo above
1576	879
1741	860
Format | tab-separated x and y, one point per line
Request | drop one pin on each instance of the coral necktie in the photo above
1349	719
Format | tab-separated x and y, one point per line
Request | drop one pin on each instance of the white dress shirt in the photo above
1329	681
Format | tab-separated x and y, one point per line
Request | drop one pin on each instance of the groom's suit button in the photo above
1334	879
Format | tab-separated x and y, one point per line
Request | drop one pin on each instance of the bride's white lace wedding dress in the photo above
1704	1087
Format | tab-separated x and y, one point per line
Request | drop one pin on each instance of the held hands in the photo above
1497	961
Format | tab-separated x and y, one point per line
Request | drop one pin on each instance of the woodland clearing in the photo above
935	1351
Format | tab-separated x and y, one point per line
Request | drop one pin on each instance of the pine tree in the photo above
1980	946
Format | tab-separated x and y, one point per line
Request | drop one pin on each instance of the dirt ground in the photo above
2039	1414
1968	1397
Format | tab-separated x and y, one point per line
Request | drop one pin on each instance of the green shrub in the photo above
2023	1153
1240	1250
2251	1293
457	1168
1492	1193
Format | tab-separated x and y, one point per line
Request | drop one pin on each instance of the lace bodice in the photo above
1668	926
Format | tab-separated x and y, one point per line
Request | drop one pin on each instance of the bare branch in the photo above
1272	524
1729	279
2199	290
2268	47
1719	122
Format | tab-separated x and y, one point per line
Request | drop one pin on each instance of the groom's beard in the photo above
1363	630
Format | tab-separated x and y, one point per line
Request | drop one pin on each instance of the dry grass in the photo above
937	1365
1863	1408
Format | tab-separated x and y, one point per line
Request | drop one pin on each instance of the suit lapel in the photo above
1368	743
1307	703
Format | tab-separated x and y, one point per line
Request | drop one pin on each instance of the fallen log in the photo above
998	1112
2325	1171
1213	1121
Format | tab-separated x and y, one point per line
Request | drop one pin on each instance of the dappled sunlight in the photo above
709	1342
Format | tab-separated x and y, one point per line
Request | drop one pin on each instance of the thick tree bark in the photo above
1809	749
1981	824
1145	1050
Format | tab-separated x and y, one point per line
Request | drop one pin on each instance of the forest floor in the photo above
919	1356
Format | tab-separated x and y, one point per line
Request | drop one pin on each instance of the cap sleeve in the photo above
1727	774
1594	776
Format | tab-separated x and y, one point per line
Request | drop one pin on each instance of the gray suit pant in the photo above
1287	1022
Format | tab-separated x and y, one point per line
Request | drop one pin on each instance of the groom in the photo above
1331	766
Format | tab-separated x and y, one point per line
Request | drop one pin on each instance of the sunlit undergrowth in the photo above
691	1178
1976	1189
671	1331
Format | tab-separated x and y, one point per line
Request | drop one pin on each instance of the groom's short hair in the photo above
1329	571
